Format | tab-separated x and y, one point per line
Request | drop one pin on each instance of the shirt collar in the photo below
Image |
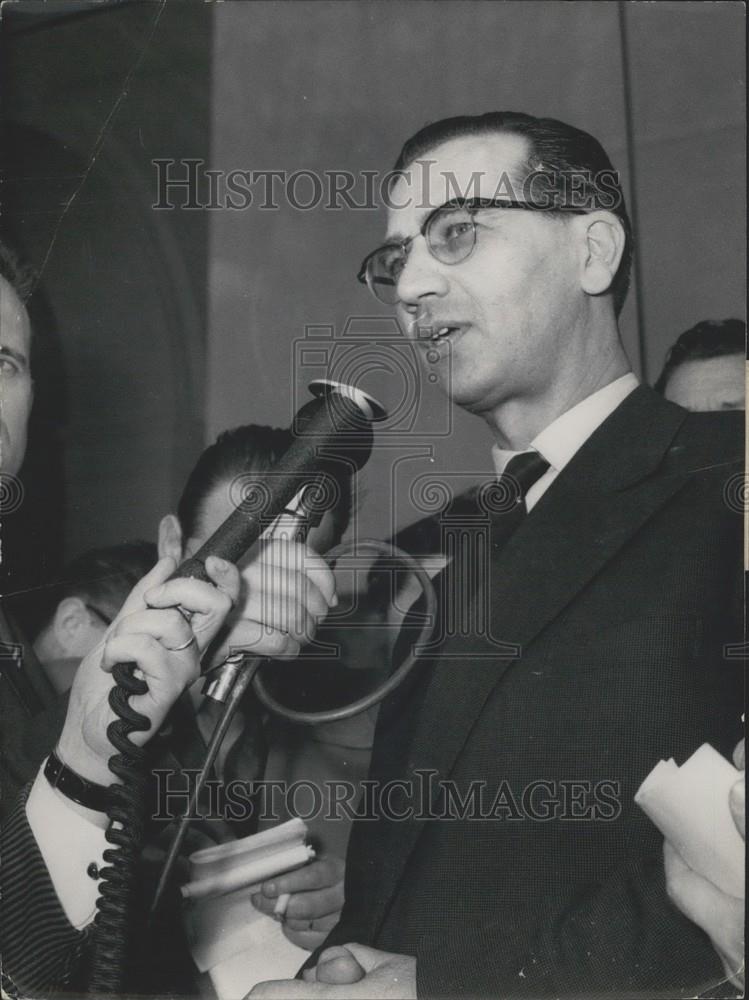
568	433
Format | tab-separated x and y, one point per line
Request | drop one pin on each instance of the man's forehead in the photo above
485	166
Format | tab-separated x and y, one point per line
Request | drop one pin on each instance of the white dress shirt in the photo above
70	839
558	442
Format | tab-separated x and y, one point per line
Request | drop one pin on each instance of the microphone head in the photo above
371	410
336	425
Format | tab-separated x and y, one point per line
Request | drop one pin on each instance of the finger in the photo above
225	576
319	874
258	640
673	862
166	674
272	589
264	905
324	923
698	899
166	625
367	958
309	940
282	559
158	575
206	605
313	565
198	595
143	650
338	967
739	754
309	975
195	596
737	804
306	906
281	611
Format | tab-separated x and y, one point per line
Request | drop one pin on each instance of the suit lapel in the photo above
598	502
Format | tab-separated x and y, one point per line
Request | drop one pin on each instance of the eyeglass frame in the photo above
100	614
471	205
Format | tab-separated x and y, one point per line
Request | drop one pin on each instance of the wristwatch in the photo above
73	786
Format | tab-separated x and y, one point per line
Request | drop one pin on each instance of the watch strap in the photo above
86	793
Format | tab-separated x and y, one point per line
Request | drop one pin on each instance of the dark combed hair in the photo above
20	276
710	338
251	448
555	150
100	577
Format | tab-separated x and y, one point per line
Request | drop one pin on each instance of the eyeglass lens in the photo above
450	235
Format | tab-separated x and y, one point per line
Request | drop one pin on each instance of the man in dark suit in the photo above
24	687
52	835
612	583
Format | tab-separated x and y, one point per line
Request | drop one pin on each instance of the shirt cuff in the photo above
70	840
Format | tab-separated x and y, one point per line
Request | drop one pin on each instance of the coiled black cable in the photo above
125	833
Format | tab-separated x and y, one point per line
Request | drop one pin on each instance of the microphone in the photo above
333	429
331	432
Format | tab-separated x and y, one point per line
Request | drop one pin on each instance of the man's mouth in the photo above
434	333
442	332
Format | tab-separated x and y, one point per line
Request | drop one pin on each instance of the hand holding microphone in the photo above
150	632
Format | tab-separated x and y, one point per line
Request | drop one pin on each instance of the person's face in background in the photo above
217	506
71	633
16	388
703	384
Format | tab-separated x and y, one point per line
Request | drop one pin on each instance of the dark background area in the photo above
162	328
90	98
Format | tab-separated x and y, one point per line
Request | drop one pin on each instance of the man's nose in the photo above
422	276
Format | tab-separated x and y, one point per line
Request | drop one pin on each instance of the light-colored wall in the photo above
338	86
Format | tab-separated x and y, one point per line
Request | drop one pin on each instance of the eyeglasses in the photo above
100	614
450	234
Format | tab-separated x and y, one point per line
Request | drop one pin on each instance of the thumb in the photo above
159	574
366	958
338	967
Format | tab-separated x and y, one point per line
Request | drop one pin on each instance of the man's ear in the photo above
71	621
170	537
602	252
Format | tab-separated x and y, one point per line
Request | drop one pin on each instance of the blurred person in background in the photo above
705	368
78	609
53	831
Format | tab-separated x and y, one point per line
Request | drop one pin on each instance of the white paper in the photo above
222	857
236	944
253	870
689	805
268	955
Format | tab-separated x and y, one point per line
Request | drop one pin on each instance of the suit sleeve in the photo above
624	933
41	950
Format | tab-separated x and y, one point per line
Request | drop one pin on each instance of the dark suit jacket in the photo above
619	592
34	933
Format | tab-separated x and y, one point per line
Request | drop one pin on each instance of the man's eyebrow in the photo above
16	355
403	238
